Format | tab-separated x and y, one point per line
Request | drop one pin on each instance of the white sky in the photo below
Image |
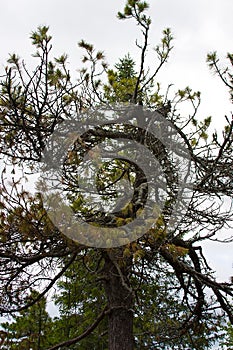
198	26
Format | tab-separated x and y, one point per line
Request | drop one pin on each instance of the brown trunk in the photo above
120	300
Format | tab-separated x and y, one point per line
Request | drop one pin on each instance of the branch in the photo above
41	295
201	279
220	74
143	54
84	334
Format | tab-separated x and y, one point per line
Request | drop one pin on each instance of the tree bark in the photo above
120	302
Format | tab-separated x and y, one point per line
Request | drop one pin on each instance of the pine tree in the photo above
30	329
126	279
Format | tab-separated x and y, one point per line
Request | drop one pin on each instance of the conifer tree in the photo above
30	329
169	269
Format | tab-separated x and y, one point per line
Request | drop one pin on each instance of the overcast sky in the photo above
198	26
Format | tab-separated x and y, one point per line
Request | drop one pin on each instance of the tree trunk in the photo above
120	301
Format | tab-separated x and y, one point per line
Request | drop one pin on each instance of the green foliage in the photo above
121	82
164	48
224	72
126	68
30	329
80	299
159	318
226	341
229	340
135	9
159	311
40	37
